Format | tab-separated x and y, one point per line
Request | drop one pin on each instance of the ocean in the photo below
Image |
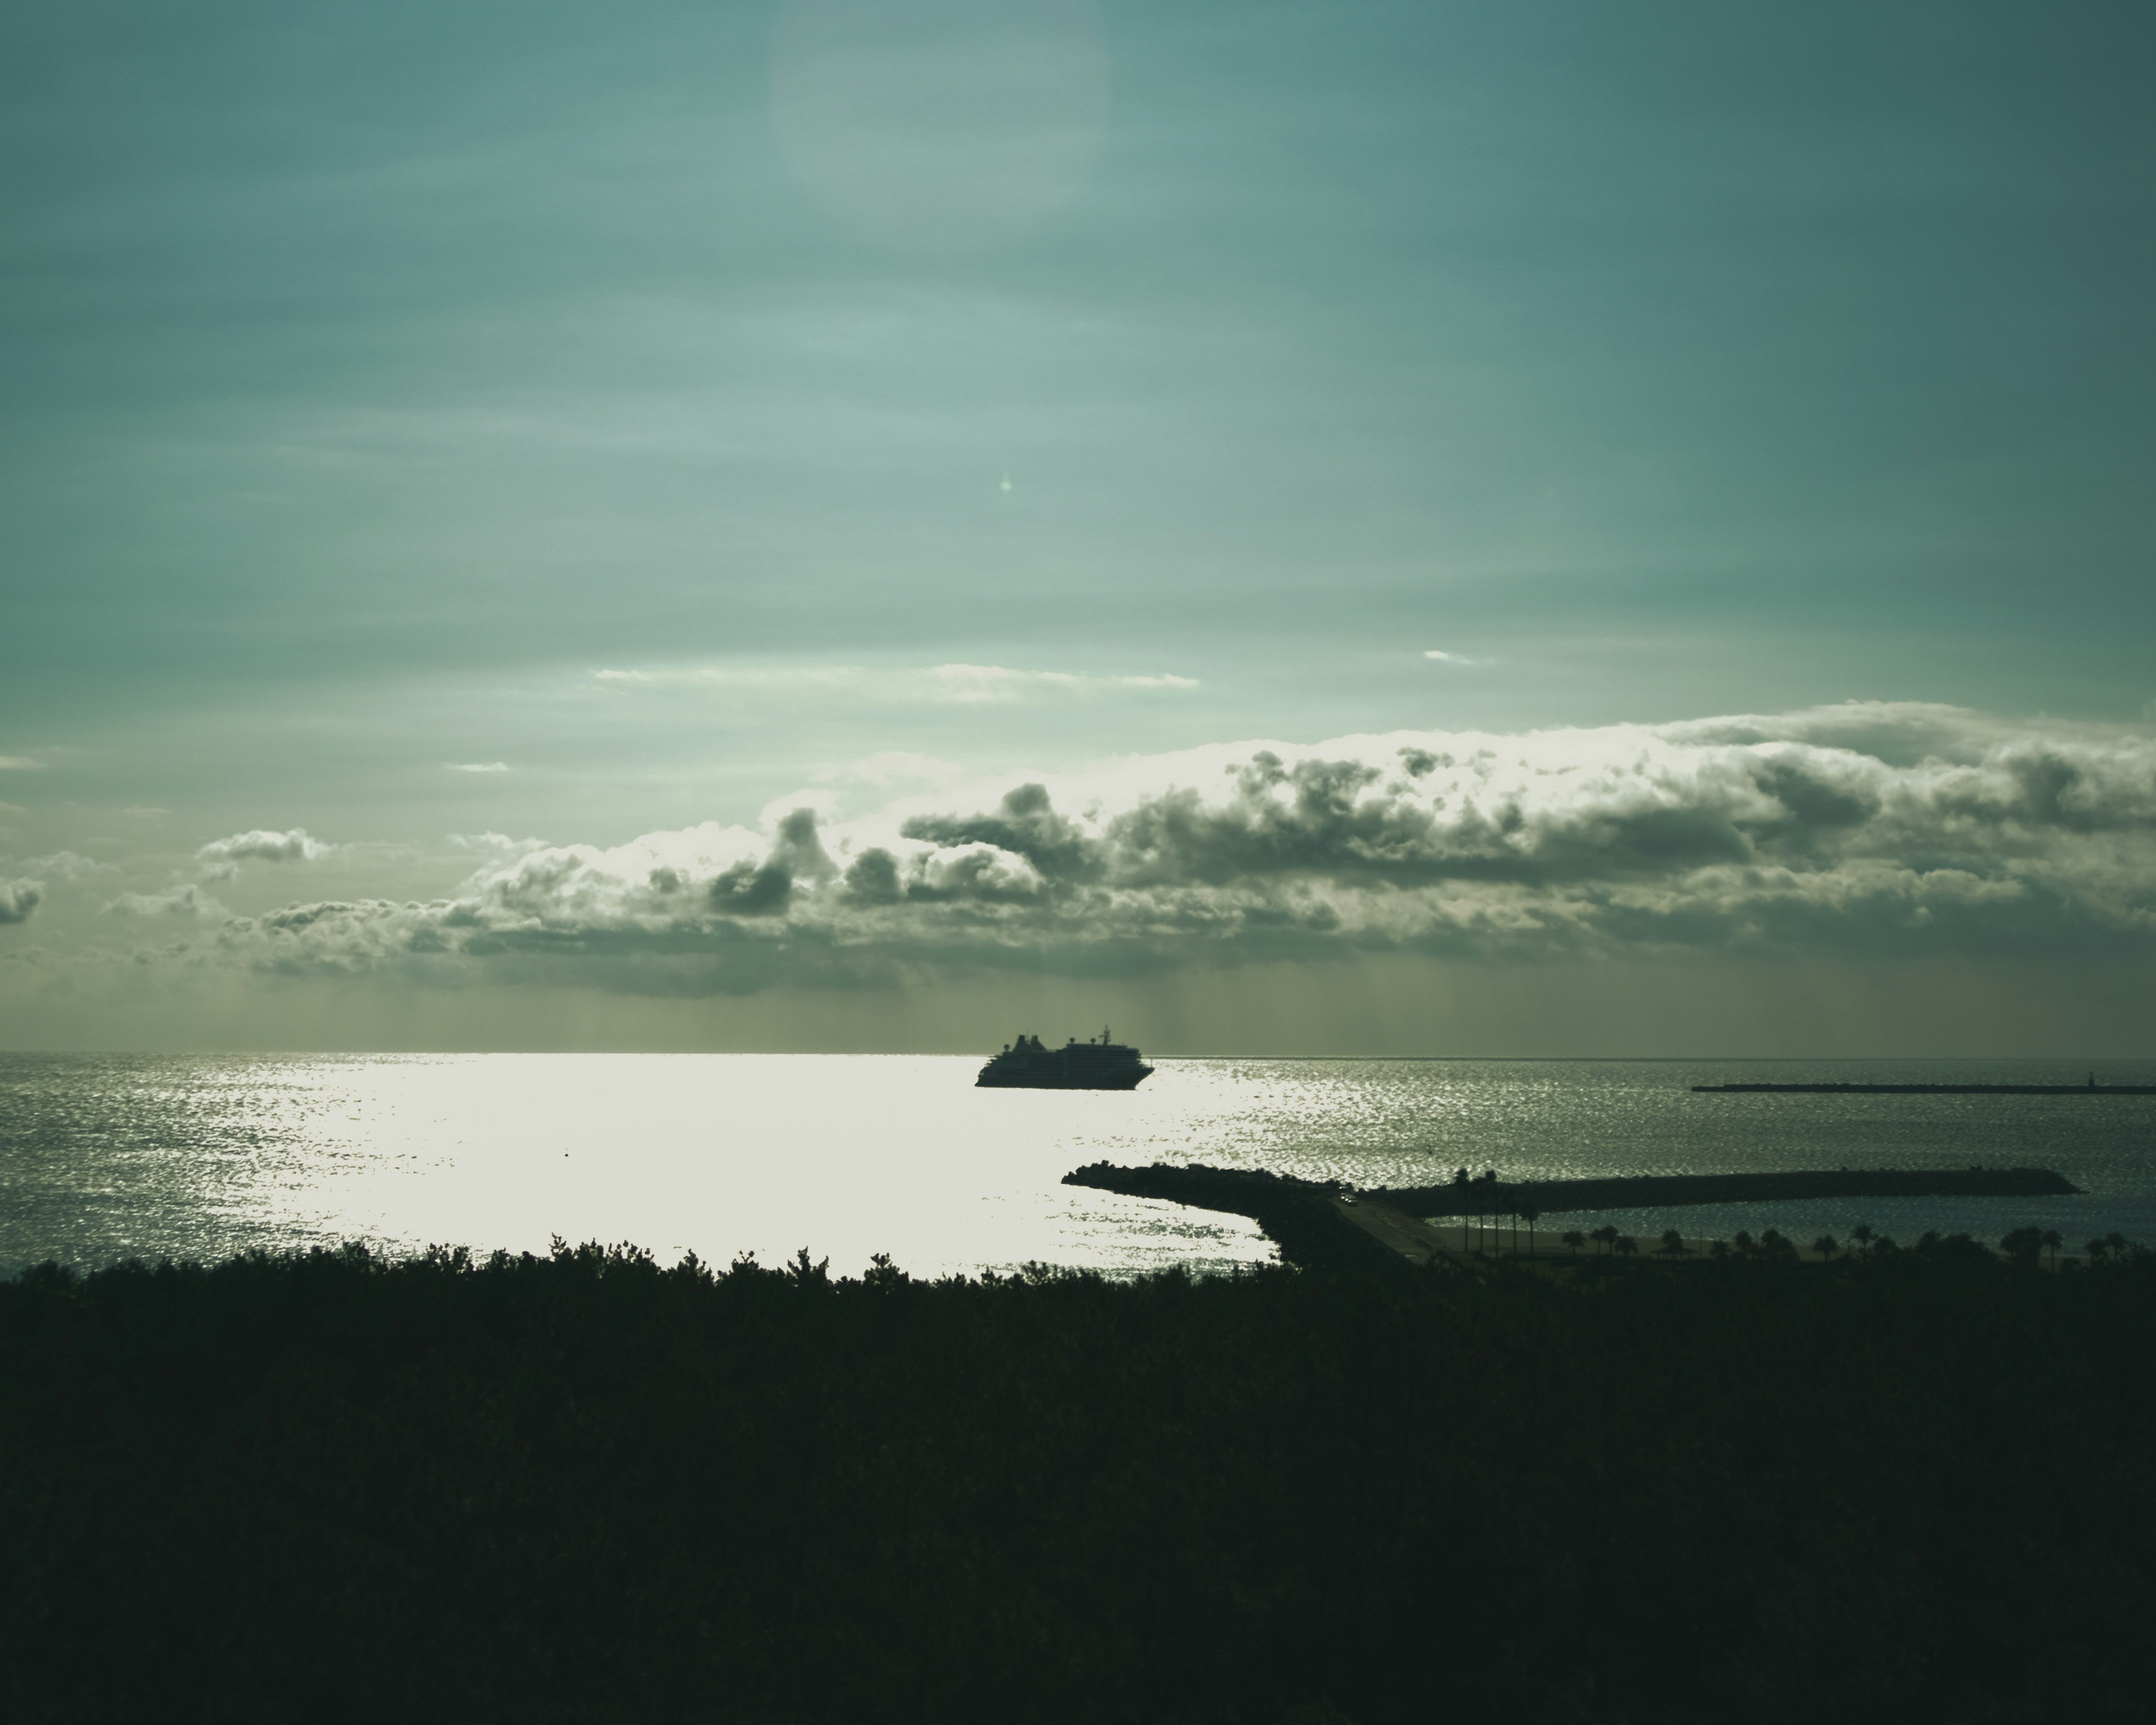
109	1156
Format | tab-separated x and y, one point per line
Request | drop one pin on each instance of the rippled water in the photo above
107	1156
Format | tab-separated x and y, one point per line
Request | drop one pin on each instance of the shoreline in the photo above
1325	1225
1642	1192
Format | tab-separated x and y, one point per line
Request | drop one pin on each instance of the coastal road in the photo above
1412	1238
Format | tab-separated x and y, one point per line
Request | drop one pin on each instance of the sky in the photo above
1550	528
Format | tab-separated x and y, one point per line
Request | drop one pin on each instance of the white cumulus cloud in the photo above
499	843
220	859
1871	828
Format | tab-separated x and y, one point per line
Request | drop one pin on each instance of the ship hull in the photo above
1059	1080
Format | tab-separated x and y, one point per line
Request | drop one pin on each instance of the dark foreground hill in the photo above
587	1487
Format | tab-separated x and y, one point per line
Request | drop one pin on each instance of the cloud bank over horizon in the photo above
1878	830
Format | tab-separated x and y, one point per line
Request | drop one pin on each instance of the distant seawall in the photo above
1937	1090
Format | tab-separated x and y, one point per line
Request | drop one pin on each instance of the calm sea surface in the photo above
105	1157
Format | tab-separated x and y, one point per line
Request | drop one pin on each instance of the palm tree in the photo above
1574	1239
1861	1233
2023	1243
2051	1242
1533	1215
1744	1246
1485	1204
1606	1237
1719	1250
2096	1249
1673	1246
1826	1246
1626	1246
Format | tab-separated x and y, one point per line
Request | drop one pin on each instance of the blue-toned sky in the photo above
1539	528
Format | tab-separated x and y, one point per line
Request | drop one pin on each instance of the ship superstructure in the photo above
1096	1064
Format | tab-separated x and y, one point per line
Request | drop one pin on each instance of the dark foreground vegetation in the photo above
1911	1486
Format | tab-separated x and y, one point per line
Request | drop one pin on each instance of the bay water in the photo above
196	1156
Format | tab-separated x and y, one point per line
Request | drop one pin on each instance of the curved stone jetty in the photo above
1259	1194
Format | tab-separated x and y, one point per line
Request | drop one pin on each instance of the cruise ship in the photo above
1093	1065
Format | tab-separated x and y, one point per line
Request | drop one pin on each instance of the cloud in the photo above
963	685
1445	658
18	898
890	769
19	763
12	808
1869	829
70	865
221	858
500	842
186	899
475	766
737	676
981	683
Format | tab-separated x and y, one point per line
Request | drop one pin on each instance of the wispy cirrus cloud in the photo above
959	684
475	766
737	676
984	683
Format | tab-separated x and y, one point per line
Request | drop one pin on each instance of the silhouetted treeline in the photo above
1914	1485
1672	1191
